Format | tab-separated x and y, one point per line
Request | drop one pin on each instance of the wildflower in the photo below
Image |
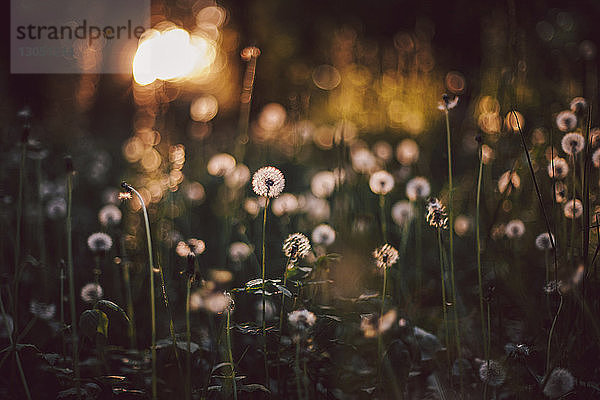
507	180
578	104
99	242
596	158
543	242
447	104
109	215
287	203
407	152
323	234
487	154
566	121
573	209
237	177
322	184
218	302
381	182
561	168
195	192
560	192
383	150
515	229
436	214
56	208
220	164
402	212
492	373
91	293
302	320
572	143
239	251
385	256
559	383
296	246
42	310
268	182
553	286
417	188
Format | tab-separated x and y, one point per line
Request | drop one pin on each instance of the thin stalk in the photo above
230	354
281	312
419	246
62	306
380	336
130	310
552	332
188	339
264	326
74	337
14	349
572	222
18	234
383	219
444	301
152	294
478	243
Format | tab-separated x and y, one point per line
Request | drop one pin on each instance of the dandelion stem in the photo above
188	339
552	331
74	337
444	301
264	326
478	241
419	245
230	354
380	337
130	311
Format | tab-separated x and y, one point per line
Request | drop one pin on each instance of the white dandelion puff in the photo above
573	209
42	310
407	152
363	161
109	215
559	383
578	104
418	188
220	164
402	212
239	251
596	158
323	235
558	168
446	103
91	293
56	208
515	229
302	320
381	182
323	184
543	242
268	182
572	143
492	373
99	242
385	256
566	121
237	177
296	246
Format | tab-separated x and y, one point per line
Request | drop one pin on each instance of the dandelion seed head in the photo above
109	215
573	208
514	229
56	208
323	184
221	164
553	286
383	150
239	251
572	143
596	158
566	121
407	152
296	246
418	188
402	212
302	320
578	104
487	154
447	103
287	203
218	302
323	235
492	373
385	256
543	242
559	383
363	161
507	180
436	214
561	168
560	191
237	177
381	182
42	310
91	293
99	242
268	182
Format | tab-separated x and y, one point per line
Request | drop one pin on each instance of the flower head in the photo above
302	320
559	383
381	182
268	182
239	251
417	188
566	121
543	242
407	152
91	293
596	158
323	234
296	246
99	242
515	229
402	212
578	104
42	310
558	168
447	104
508	180
573	209
385	256
56	208
492	373
436	214
363	161
572	143
560	192
323	183
109	215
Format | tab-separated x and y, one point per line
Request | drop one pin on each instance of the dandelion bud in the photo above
69	165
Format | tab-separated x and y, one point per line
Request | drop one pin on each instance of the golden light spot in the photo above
455	82
488	104
204	108
213	14
326	77
133	149
489	122
514	123
151	160
272	117
250	52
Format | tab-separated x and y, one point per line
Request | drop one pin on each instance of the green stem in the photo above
444	301
380	336
230	354
188	339
74	337
130	310
264	326
552	332
478	240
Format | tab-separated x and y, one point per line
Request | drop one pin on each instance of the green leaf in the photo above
102	327
298	273
253	387
112	306
92	322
